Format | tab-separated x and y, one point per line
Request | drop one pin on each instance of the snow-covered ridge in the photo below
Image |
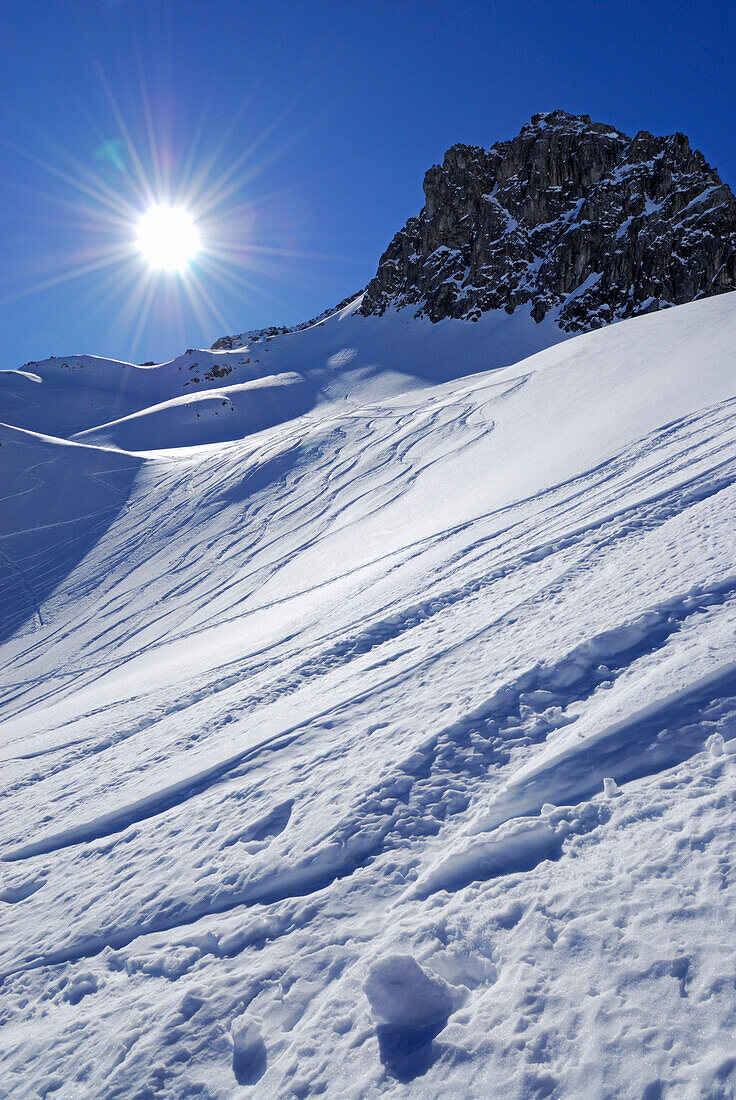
254	336
387	748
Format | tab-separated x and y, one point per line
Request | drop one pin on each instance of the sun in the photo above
167	237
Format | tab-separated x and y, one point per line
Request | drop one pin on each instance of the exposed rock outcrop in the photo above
570	216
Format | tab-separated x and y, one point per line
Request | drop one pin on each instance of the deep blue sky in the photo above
336	110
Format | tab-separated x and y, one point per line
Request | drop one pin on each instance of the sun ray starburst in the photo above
159	224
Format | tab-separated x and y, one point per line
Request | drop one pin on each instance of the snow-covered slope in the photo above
385	748
342	356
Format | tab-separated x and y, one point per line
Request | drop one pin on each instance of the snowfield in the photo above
369	715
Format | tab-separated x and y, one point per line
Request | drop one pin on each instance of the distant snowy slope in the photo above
342	355
389	747
209	416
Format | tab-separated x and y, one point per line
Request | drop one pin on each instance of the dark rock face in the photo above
570	216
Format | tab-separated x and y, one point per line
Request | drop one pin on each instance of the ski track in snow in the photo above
427	697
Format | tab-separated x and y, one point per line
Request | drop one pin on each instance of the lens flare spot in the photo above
167	237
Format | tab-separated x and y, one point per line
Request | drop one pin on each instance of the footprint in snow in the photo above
265	828
15	890
249	1050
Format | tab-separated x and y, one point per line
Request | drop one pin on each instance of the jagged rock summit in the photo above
571	216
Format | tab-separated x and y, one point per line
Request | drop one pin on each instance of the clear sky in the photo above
299	131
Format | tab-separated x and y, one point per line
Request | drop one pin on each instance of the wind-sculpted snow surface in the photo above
382	741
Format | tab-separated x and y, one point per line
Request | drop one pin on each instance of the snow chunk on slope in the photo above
401	992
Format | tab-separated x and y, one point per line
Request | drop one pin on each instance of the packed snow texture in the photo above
368	708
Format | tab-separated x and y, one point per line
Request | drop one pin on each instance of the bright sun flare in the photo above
167	237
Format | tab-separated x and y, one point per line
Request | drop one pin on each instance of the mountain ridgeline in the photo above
571	218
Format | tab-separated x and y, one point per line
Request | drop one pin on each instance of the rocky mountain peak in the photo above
571	218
